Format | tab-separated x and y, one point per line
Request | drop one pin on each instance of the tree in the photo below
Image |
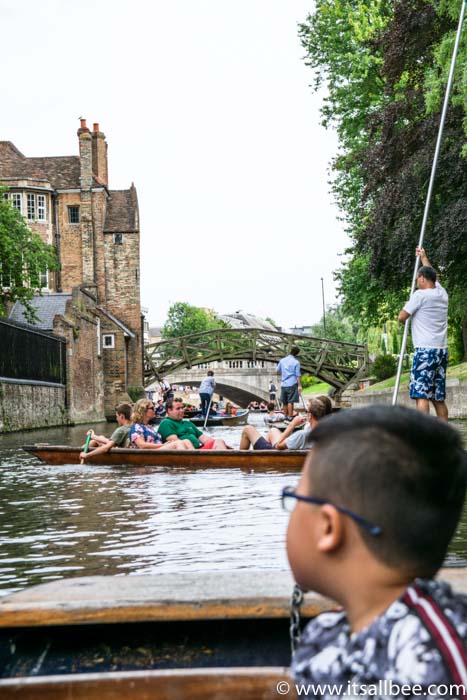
23	257
338	326
185	319
385	63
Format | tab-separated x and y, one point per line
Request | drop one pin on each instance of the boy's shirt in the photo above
120	435
420	640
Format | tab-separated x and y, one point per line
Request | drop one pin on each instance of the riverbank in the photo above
381	393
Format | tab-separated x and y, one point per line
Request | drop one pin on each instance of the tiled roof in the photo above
122	211
46	307
13	164
63	171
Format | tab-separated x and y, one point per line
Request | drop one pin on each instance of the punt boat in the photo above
239	418
251	460
168	636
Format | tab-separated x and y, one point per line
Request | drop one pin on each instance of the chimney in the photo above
85	156
99	155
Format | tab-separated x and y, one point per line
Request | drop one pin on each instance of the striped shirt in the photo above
419	641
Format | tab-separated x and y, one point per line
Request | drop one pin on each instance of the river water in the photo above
58	522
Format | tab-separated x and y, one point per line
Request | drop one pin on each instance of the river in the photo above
58	522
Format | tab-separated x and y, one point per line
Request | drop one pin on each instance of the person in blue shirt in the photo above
291	381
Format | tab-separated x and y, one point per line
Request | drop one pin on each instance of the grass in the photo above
321	388
455	372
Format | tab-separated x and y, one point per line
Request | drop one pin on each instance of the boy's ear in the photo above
331	528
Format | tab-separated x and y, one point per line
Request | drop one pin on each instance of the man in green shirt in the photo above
119	437
174	427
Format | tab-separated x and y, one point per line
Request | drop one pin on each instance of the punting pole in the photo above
430	190
207	413
86	445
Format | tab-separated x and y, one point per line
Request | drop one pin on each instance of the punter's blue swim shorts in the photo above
428	374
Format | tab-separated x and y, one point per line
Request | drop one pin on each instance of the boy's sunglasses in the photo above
289	496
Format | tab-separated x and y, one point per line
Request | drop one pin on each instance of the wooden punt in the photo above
135	636
133	623
186	684
251	460
240	418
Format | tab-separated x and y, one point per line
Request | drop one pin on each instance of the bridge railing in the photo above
336	363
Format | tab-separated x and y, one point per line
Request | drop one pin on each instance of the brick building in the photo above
95	231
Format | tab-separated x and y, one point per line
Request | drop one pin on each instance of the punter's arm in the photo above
422	255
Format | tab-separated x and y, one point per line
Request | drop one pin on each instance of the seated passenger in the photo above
99	444
273	416
144	436
275	440
174	427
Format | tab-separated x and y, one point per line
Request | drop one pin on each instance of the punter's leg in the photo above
439	399
422	405
441	409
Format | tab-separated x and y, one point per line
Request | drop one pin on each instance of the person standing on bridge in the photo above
291	381
428	309
206	390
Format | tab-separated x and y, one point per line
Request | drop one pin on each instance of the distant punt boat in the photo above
239	418
282	460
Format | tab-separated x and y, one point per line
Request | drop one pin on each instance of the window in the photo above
41	207
118	238
40	279
73	215
31	207
108	341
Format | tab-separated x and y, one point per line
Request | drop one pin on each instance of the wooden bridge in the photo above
338	364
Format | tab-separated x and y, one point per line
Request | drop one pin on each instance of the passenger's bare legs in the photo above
249	437
441	409
274	436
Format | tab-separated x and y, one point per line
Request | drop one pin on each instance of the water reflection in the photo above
69	520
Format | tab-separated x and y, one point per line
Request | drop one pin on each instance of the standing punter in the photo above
291	381
428	309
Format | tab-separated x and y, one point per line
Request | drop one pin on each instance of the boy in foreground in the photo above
378	502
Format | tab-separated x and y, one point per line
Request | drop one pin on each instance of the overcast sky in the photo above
207	108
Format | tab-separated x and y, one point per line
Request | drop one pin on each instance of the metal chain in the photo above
295	603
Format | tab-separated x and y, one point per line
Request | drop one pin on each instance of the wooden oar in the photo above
428	196
207	412
86	445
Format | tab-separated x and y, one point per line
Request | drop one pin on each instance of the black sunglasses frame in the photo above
289	492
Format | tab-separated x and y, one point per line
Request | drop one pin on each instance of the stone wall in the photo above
85	373
456	398
25	405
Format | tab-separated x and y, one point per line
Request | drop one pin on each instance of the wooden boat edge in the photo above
199	459
255	683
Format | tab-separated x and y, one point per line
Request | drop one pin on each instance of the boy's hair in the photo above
399	469
271	406
124	409
428	272
294	351
327	403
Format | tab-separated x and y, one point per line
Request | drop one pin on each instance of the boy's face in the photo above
302	534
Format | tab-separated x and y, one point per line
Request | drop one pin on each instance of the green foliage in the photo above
384	367
23	256
185	319
136	392
385	63
338	326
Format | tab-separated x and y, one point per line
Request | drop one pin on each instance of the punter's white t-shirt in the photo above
428	309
